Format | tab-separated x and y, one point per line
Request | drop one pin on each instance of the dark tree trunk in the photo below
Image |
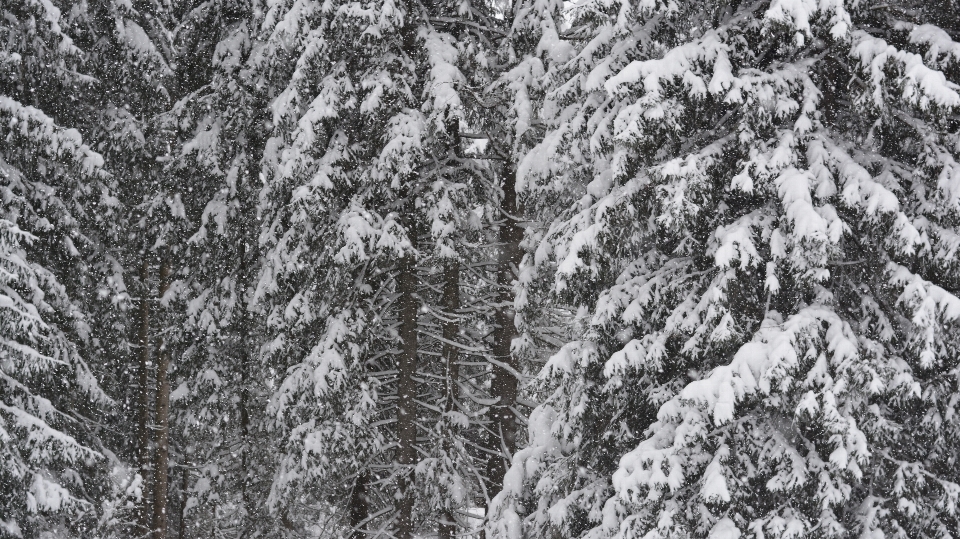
407	392
247	279
244	434
446	529
359	509
451	331
503	388
244	366
183	503
160	481
143	403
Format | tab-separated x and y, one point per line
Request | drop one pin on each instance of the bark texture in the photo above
143	401
359	509
504	421
447	527
160	477
407	393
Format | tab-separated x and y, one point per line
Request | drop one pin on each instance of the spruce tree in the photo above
221	388
128	53
761	246
528	47
55	196
374	209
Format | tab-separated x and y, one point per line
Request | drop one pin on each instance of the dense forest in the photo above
529	269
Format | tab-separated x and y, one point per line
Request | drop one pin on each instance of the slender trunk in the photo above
244	439
160	480
246	340
183	503
451	329
143	421
407	364
244	365
406	393
359	510
504	384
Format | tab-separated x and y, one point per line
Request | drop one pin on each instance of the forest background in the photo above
474	268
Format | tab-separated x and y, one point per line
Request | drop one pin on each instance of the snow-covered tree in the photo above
762	247
221	387
375	213
54	191
530	45
127	51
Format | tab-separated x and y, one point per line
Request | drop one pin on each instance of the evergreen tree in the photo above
523	329
287	268
128	53
374	210
762	248
55	195
221	389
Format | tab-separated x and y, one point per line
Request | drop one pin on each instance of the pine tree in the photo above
761	243
55	193
371	203
529	46
221	388
129	54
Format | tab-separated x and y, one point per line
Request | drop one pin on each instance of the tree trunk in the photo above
504	385
143	421
244	413
359	510
183	503
244	365
446	528
407	392
160	481
451	330
407	364
244	435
